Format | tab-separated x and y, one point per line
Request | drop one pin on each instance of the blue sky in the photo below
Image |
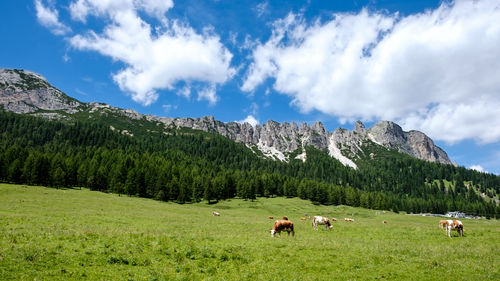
427	65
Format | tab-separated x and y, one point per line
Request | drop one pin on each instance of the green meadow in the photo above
67	234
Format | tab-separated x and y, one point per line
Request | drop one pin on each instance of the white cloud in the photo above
208	94
81	9
453	122
185	92
250	120
436	71
153	60
50	19
168	107
477	168
261	9
254	108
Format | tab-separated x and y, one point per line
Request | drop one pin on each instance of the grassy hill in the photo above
70	234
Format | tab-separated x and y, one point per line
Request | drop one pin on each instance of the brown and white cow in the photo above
443	224
334	219
454	225
215	214
282	225
271	217
348	219
303	219
321	220
384	222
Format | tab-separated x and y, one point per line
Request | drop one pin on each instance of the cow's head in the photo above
272	232
331	226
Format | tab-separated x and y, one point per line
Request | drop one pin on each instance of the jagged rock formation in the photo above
414	143
276	140
27	92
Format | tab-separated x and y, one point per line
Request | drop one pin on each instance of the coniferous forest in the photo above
189	166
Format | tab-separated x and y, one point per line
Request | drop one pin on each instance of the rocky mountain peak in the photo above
19	80
359	128
388	134
27	92
413	143
23	91
318	127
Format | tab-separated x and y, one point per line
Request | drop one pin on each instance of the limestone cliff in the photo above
27	92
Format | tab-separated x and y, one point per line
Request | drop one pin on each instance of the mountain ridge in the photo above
27	92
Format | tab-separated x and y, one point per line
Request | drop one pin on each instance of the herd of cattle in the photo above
286	225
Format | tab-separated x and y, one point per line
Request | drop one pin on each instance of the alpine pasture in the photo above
67	234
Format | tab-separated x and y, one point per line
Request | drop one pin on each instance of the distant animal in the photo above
384	221
454	225
282	225
285	218
303	219
271	217
348	219
334	219
215	214
322	221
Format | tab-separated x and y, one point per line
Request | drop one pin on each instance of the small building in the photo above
455	215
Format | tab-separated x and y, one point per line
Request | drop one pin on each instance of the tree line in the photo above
189	166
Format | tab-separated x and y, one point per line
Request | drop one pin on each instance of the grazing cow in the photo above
271	217
348	219
454	225
384	221
215	214
334	219
443	224
282	225
303	219
321	220
285	218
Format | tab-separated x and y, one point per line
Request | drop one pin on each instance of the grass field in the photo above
48	234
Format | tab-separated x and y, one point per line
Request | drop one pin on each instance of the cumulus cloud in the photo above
49	18
155	57
208	94
477	168
81	9
435	71
185	92
250	120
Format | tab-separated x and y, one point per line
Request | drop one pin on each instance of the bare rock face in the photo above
423	148
413	143
342	144
25	92
388	134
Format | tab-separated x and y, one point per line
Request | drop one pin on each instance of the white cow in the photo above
454	225
321	220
